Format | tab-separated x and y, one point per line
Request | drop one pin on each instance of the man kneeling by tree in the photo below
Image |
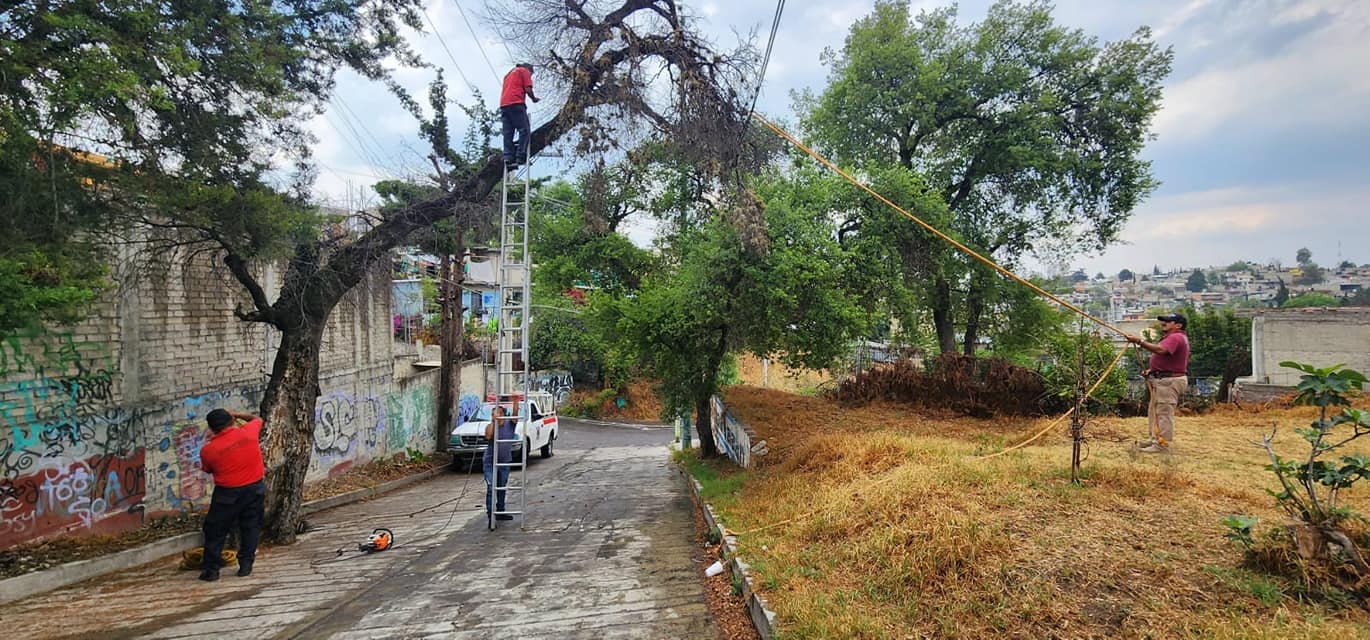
234	456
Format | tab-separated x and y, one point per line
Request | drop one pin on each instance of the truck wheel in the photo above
547	448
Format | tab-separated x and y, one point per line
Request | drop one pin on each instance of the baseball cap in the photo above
1173	317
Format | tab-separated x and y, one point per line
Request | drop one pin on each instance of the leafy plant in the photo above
1311	486
415	456
1239	529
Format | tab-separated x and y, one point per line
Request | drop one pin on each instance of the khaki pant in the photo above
1160	413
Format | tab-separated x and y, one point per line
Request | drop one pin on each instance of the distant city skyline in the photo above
1262	144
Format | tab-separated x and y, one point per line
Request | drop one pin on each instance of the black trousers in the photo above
244	507
515	118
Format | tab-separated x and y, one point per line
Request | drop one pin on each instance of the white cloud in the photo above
1314	82
1221	226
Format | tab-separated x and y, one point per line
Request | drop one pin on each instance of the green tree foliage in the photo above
584	268
1310	273
1311	299
1345	265
783	297
1303	255
1126	275
1361	298
1216	338
1029	132
1281	294
1240	265
1061	370
113	112
1196	282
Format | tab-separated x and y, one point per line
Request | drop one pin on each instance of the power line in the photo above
367	154
765	61
477	39
444	48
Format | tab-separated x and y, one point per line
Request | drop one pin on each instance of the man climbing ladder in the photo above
513	113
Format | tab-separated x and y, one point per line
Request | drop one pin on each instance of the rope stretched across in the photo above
934	230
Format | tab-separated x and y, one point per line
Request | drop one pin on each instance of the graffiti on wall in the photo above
467	407
557	383
409	416
69	460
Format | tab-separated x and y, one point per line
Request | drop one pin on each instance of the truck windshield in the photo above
482	414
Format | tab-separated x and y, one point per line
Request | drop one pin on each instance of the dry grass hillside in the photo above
881	523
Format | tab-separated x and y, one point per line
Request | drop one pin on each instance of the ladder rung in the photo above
510	487
508	513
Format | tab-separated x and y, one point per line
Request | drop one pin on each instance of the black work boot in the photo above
244	569
209	575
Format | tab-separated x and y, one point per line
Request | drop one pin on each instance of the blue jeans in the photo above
515	118
503	482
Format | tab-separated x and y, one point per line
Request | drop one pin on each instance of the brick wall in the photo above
101	423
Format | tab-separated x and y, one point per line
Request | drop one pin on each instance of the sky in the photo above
1262	144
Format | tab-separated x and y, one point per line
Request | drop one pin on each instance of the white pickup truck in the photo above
468	439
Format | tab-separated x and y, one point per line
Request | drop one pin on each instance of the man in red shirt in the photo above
513	113
1167	377
234	456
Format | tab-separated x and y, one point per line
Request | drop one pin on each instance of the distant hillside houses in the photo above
1253	287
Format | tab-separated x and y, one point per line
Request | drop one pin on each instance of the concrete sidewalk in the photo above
605	553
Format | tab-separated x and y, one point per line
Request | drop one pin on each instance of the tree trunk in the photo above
704	424
942	315
975	308
448	363
288	408
1238	364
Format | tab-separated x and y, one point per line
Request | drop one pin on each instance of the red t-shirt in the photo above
517	83
1176	343
234	455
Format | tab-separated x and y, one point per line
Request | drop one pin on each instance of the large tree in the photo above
111	111
771	281
194	100
1029	132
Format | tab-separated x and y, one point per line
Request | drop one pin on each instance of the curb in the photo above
36	582
762	617
369	492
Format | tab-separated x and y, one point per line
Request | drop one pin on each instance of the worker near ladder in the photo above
1167	377
234	456
513	113
504	426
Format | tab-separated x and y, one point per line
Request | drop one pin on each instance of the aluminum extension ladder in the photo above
511	355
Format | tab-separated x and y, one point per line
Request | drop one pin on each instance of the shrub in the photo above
1320	547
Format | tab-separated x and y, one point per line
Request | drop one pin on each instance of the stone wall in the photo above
101	423
1321	337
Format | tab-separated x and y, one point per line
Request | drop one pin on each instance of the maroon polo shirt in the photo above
1176	356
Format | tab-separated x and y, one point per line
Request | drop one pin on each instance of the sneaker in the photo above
244	569
504	516
1154	448
209	575
1149	442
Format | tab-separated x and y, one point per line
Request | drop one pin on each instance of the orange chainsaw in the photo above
379	540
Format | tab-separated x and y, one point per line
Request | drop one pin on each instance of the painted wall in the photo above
1321	337
101	423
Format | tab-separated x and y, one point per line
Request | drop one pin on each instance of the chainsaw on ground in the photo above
379	540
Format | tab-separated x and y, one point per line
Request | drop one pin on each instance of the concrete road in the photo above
604	552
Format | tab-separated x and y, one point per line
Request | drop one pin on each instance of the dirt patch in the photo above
45	554
728	608
639	403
